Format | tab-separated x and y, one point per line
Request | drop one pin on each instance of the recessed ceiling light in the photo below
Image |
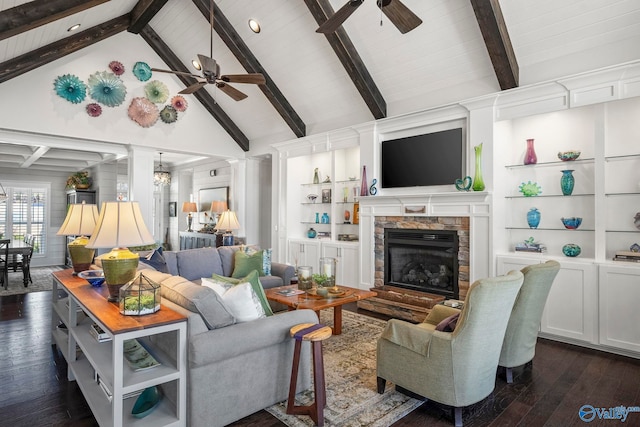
254	25
196	65
73	27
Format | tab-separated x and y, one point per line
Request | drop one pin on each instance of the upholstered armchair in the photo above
454	368
520	339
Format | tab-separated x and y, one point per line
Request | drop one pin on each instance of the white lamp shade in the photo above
80	221
228	221
120	225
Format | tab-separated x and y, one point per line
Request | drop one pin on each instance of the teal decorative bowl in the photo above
567	156
572	223
571	250
146	402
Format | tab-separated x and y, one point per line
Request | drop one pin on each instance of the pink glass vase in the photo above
530	157
364	187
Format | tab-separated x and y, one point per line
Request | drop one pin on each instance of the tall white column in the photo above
141	181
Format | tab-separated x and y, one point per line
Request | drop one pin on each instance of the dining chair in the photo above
4	262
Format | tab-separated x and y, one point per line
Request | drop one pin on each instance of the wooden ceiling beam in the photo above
207	101
241	51
143	12
496	38
33	14
56	50
350	59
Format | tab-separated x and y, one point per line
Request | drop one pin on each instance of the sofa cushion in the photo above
196	263
156	260
240	298
227	257
245	264
198	299
256	285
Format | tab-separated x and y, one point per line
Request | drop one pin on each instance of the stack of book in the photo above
530	247
627	256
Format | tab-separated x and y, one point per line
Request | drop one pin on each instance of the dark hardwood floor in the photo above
34	390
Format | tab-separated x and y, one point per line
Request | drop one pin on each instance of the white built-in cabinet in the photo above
303	202
593	300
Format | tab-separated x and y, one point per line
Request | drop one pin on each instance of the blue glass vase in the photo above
533	218
311	233
567	181
571	250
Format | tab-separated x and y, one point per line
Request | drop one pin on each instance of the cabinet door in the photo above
571	307
619	315
303	252
347	265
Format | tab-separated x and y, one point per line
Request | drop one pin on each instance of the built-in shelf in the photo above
549	195
556	163
622	157
549	229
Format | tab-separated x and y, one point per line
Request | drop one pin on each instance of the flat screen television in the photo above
436	158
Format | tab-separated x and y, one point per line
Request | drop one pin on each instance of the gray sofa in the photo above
234	369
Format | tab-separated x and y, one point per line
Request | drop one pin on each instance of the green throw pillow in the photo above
245	264
253	279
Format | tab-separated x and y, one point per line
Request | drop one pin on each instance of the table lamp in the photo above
189	207
80	221
228	222
120	225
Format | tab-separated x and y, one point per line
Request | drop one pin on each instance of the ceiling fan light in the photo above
254	25
196	64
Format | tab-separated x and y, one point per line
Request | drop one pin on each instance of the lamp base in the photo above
81	257
227	239
189	222
119	266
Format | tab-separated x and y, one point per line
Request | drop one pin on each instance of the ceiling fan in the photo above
211	73
395	10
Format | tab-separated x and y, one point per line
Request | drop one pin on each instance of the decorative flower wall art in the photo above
143	112
156	91
179	103
168	114
107	88
71	88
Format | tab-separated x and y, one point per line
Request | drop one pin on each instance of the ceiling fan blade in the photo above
338	18
231	91
194	87
208	64
252	78
179	73
400	15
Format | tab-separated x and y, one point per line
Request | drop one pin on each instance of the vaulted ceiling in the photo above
365	70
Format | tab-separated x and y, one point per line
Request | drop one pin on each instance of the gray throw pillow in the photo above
198	299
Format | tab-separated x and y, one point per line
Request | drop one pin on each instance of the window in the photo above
25	212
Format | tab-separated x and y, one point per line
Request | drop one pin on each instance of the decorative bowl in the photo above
94	277
530	189
146	402
572	223
566	156
571	250
323	292
312	197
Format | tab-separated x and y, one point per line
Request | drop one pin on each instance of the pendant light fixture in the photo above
160	175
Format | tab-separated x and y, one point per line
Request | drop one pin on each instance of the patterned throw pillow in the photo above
240	298
266	258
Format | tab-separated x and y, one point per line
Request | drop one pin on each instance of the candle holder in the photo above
328	270
305	279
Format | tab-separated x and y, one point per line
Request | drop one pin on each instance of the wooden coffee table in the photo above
317	303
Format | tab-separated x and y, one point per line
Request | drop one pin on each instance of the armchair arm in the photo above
285	271
416	338
440	312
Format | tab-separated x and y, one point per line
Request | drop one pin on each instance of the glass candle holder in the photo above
305	279
328	269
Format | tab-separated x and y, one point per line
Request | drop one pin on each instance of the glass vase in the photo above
364	187
533	218
567	181
530	157
478	181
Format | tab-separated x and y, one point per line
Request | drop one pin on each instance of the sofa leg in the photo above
457	417
381	385
509	374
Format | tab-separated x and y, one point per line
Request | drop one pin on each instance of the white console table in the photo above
80	305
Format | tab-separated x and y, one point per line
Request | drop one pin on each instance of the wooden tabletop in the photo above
314	302
94	301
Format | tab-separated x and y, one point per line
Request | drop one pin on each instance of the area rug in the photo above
350	377
41	277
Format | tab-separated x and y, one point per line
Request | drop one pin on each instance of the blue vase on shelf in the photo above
533	218
311	233
325	218
317	218
571	250
567	181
